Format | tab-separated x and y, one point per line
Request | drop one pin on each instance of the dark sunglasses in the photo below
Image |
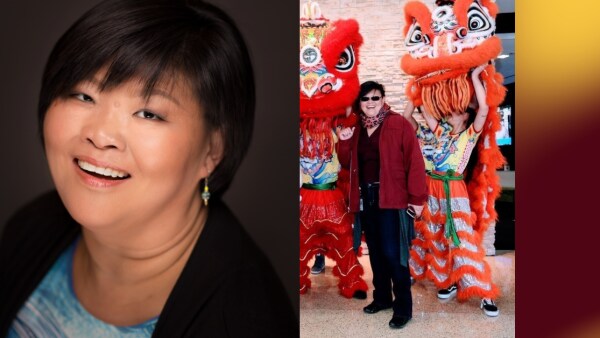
373	98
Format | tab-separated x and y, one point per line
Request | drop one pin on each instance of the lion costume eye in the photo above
346	60
478	20
415	36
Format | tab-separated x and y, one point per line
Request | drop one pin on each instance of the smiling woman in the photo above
138	118
91	133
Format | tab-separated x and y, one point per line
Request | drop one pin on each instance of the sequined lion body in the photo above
328	85
443	46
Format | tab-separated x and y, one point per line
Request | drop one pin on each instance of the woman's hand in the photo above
417	209
345	133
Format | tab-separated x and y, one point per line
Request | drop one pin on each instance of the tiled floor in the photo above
324	313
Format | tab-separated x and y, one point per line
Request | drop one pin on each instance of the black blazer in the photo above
228	288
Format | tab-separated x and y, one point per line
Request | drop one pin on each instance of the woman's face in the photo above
371	108
118	157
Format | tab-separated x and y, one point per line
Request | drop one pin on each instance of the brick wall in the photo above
381	25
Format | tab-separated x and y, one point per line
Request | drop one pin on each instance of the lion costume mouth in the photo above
427	68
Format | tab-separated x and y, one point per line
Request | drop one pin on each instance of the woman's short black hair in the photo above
365	88
152	40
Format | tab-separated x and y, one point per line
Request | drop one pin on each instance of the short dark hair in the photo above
151	40
365	88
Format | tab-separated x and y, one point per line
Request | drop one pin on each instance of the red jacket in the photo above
402	170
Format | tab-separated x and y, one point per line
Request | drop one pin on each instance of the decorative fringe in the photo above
323	206
448	96
352	282
484	185
317	138
430	262
477	292
335	242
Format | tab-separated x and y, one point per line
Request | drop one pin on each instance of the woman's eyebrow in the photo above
90	82
141	93
159	92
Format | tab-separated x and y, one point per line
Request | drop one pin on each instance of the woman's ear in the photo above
214	153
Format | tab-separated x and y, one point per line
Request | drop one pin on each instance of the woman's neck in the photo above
371	130
126	278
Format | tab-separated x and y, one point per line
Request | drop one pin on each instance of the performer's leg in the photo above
305	256
438	259
466	263
347	268
469	267
436	245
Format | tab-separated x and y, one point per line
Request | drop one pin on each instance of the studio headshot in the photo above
151	192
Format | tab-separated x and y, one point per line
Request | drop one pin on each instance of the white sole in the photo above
490	313
448	296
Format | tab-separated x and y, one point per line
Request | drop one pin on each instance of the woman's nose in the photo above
104	130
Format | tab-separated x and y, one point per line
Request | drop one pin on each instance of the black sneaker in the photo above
489	307
447	293
319	265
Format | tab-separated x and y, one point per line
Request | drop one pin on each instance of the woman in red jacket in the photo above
385	160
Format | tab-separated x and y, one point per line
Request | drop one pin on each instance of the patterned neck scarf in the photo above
373	121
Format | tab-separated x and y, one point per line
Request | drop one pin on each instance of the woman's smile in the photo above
99	175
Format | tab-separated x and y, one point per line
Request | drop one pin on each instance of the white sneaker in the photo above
489	307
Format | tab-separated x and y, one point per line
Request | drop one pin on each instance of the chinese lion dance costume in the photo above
443	46
328	86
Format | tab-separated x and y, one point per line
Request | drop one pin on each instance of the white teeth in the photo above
101	171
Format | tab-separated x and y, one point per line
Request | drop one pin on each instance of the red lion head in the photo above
328	64
443	45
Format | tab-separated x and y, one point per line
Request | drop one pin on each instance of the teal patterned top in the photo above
53	310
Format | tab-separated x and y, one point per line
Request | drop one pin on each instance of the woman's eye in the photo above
82	97
148	115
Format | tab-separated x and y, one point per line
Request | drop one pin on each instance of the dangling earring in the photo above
205	194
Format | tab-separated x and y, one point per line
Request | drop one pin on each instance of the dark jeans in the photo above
356	233
382	232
